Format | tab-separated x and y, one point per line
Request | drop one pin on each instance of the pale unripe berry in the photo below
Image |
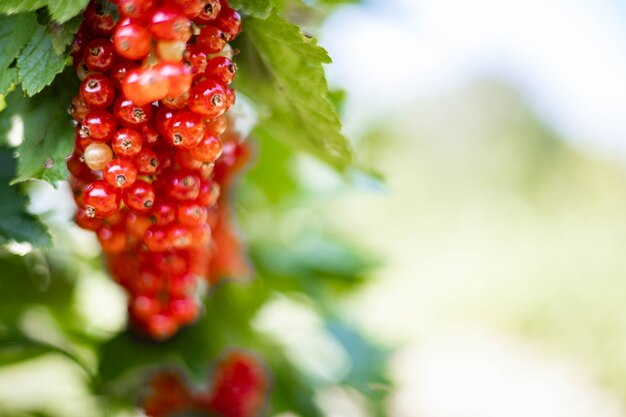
171	50
97	155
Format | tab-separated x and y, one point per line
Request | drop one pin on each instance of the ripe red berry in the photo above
145	85
146	161
139	196
209	12
156	239
190	213
179	236
179	77
85	222
130	114
182	186
98	125
135	8
221	69
185	129
113	239
100	199
97	91
163	212
132	41
229	21
211	39
127	142
99	55
166	23
208	150
208	98
120	173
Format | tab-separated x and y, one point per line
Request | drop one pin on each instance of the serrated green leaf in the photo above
8	77
15	32
296	99
256	8
60	10
15	223
38	63
47	129
62	35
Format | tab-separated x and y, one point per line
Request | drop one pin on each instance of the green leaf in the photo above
286	80
38	63
8	77
62	35
15	32
256	8
60	10
48	133
15	223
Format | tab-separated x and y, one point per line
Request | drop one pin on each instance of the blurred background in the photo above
499	127
499	234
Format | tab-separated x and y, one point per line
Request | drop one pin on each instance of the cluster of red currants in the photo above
150	123
239	387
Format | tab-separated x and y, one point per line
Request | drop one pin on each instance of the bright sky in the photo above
566	57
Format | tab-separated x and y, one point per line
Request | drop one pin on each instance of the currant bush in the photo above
152	161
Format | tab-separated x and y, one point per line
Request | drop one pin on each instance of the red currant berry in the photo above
99	55
208	150
209	193
163	212
132	41
211	40
143	307
167	24
229	21
156	239
100	199
98	125
208	98
97	21
113	239
85	222
184	310
190	213
221	69
146	161
179	76
97	91
185	130
137	224
139	196
120	173
180	236
127	142
78	109
161	327
190	8
145	85
209	12
182	285
135	8
130	114
182	186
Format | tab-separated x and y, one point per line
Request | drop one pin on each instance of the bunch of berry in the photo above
149	121
239	387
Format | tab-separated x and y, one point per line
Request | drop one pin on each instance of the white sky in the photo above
566	57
